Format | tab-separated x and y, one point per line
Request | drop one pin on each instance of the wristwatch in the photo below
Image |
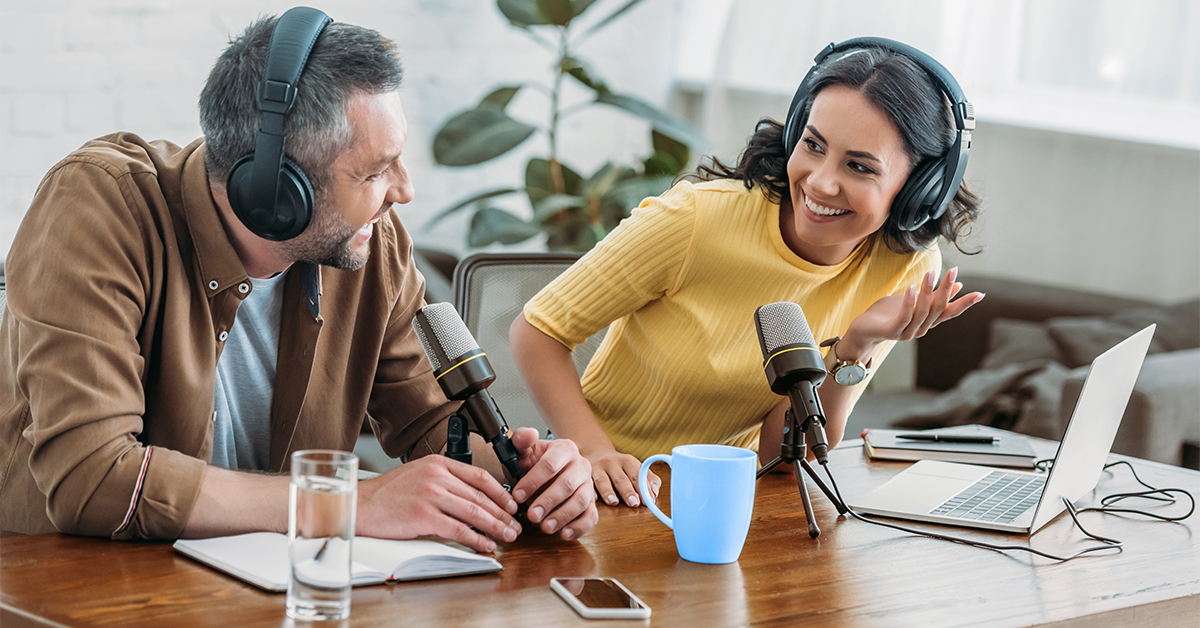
846	372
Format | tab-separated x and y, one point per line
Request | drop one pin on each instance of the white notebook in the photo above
261	558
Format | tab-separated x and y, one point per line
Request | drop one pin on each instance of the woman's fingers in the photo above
625	486
961	305
615	483
940	299
920	311
604	487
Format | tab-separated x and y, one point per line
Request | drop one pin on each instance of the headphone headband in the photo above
292	40
931	186
269	193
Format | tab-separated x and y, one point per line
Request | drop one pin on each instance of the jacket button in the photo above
212	285
244	288
223	336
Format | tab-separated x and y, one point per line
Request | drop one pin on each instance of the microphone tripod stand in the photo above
793	450
458	444
458	439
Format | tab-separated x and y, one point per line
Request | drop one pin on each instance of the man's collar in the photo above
217	261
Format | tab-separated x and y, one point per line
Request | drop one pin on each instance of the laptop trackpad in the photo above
922	487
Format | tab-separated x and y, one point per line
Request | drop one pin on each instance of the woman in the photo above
805	216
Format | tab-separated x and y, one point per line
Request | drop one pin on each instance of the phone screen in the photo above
599	593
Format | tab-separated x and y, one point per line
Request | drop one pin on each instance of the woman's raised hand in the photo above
907	315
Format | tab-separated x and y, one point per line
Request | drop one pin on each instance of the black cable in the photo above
1108	543
1151	494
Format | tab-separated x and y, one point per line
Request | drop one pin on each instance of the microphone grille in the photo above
449	332
782	324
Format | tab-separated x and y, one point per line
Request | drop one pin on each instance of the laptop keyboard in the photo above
1000	497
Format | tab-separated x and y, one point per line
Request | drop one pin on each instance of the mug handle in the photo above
646	497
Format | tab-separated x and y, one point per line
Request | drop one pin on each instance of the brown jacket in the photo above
121	282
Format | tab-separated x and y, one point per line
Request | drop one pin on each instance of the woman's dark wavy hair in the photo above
914	104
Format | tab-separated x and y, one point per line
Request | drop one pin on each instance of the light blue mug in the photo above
712	500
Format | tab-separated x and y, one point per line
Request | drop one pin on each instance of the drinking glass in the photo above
321	507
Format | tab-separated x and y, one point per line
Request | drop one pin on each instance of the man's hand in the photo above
439	496
561	479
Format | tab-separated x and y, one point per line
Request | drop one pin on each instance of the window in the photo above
1106	68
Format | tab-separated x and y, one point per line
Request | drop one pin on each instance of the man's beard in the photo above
328	241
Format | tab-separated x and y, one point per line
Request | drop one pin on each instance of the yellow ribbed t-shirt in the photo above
679	282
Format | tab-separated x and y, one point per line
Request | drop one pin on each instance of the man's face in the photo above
363	183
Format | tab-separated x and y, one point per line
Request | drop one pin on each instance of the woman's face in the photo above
847	167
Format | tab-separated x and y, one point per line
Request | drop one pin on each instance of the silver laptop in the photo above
1019	501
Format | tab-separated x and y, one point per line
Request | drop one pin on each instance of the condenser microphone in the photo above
463	371
793	365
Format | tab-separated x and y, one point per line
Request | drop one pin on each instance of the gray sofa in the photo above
1018	361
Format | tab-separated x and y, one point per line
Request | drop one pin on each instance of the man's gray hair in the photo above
345	60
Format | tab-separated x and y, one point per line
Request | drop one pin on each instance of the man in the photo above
155	347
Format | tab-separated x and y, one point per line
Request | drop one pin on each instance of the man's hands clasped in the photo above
438	496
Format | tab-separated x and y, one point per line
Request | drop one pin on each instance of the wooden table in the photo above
855	574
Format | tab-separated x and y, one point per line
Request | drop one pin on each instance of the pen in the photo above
949	438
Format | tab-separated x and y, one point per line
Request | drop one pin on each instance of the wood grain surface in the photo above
854	574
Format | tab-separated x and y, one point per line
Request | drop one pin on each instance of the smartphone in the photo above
600	598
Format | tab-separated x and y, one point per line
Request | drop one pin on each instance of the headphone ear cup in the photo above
293	200
914	204
237	190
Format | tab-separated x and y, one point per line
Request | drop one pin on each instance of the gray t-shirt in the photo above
246	380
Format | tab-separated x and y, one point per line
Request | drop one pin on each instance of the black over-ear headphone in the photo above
933	182
270	194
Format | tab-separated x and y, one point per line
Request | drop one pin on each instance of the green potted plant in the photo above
573	211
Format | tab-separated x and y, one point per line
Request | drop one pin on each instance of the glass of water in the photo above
320	533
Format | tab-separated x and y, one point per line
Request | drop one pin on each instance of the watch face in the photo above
850	374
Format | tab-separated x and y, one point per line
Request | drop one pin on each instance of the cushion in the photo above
1013	341
1081	339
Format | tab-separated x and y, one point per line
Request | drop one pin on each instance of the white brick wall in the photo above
72	70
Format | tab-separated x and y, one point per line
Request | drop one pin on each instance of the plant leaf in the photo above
464	203
660	164
604	179
500	97
490	225
670	125
589	236
521	13
539	185
583	73
551	205
581	6
630	192
557	12
562	237
615	14
477	135
670	146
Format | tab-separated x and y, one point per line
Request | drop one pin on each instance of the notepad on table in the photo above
1009	449
261	558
